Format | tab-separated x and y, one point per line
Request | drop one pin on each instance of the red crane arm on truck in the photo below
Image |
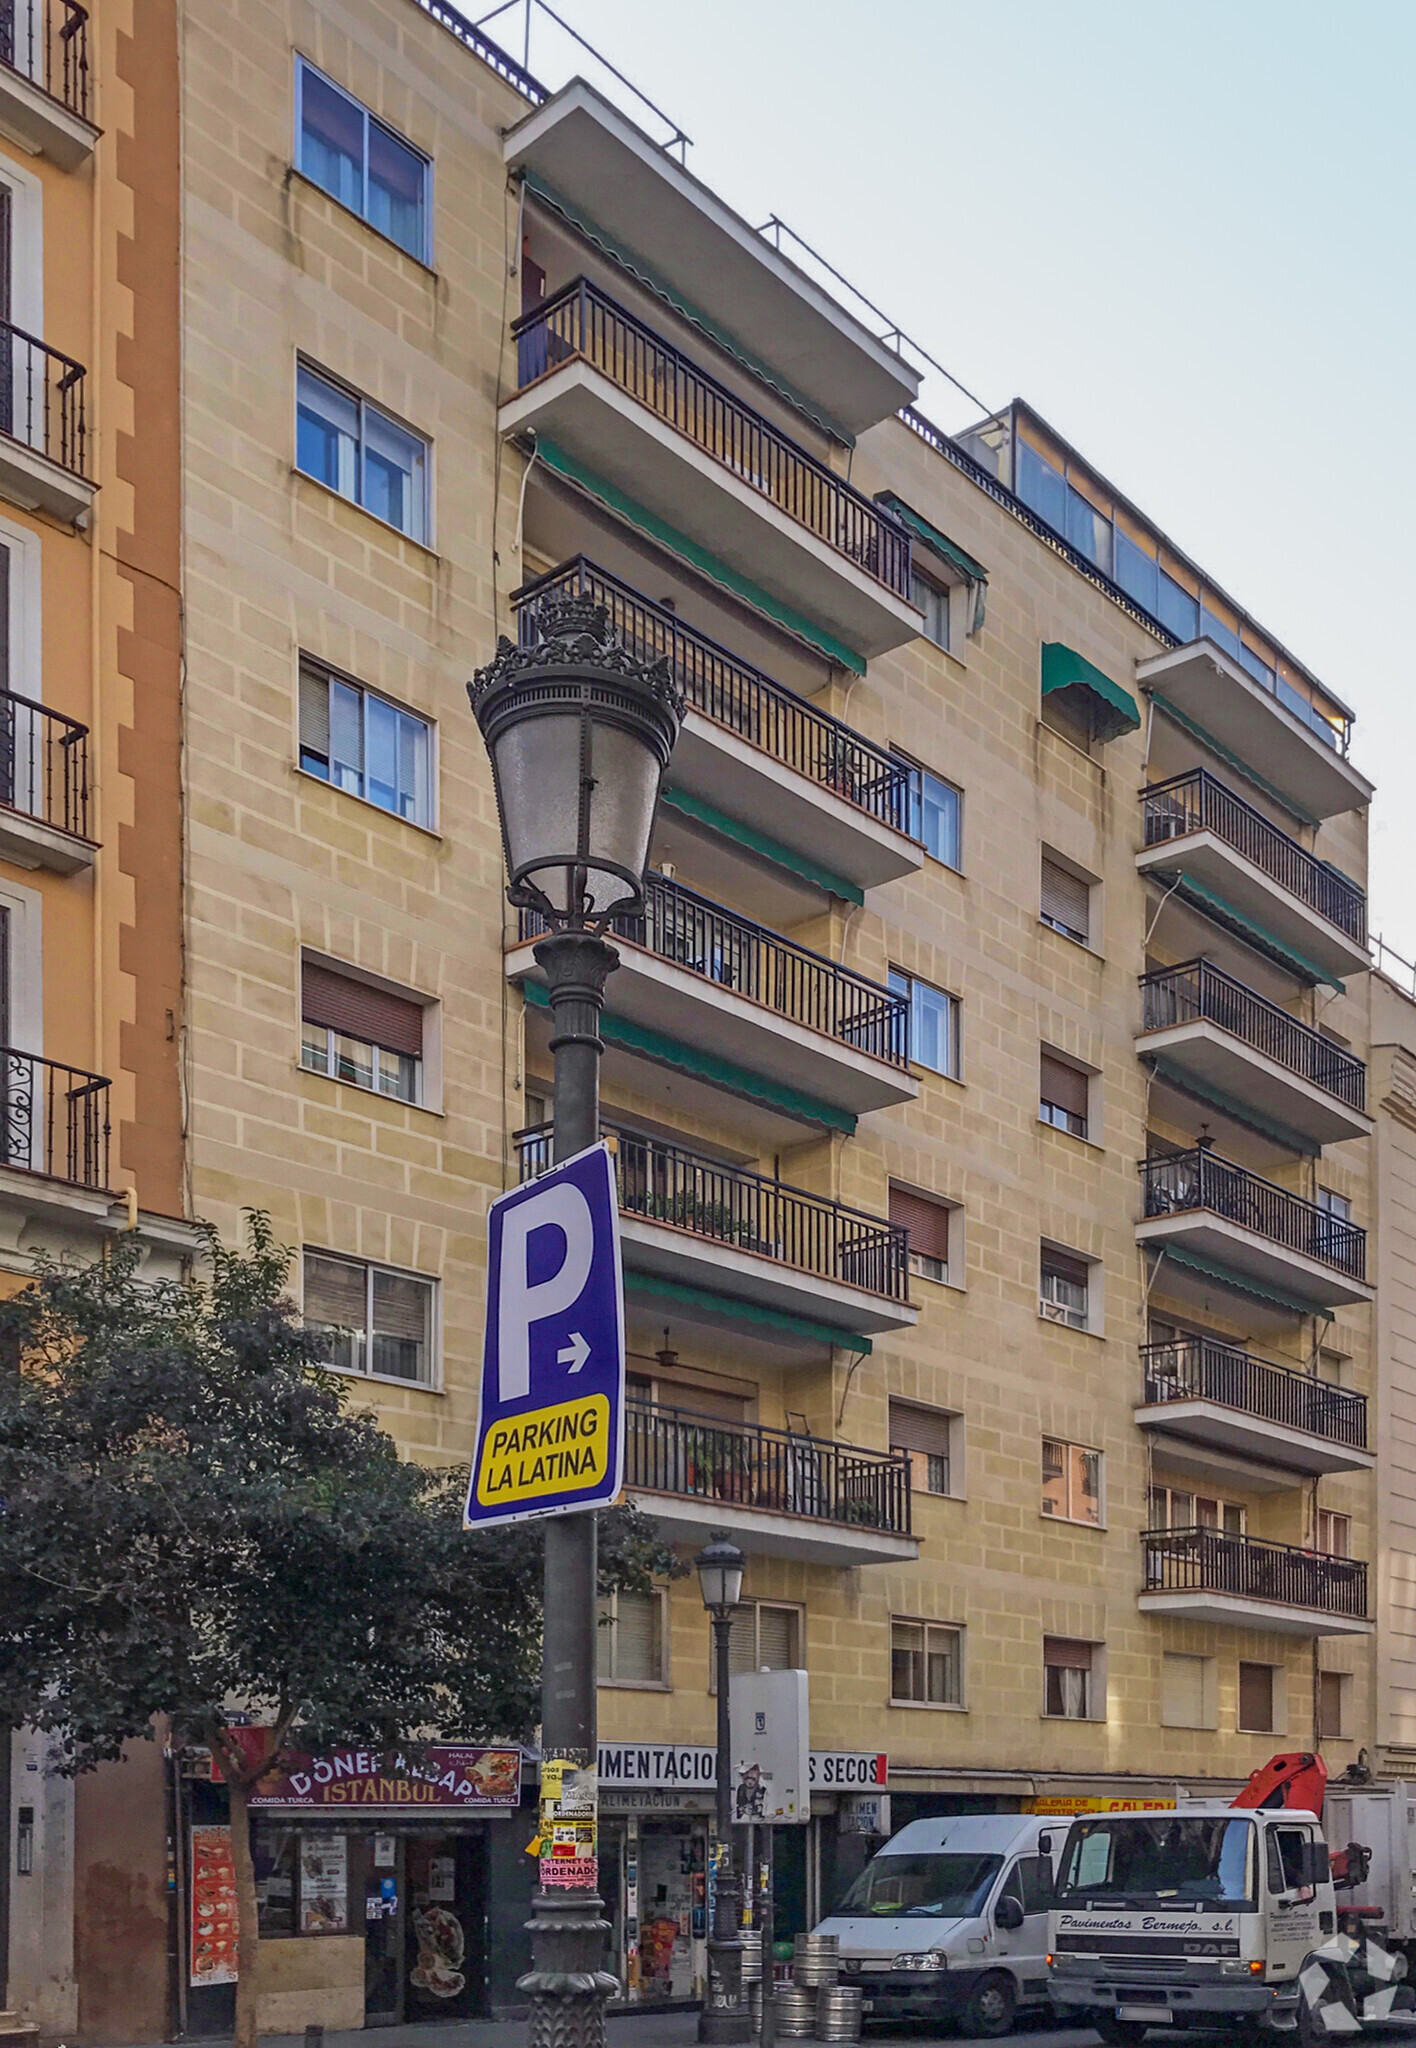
1298	1779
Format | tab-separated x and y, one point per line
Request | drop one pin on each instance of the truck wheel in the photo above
990	2008
1118	2033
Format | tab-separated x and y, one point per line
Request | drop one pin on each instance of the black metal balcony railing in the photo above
736	695
689	930
702	1458
1199	1369
1209	1561
581	321
1176	1182
1198	802
1197	991
43	764
42	399
53	1119
46	41
666	1183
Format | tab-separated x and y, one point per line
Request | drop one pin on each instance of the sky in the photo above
1182	230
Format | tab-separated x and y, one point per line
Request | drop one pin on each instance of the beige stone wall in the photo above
1394	1200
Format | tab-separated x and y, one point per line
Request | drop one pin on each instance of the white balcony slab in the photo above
32	481
1253	1436
593	420
1214	1237
1217	1059
664	997
763	1532
1205	858
588	151
735	1273
29	842
41	124
1232	1610
1215	693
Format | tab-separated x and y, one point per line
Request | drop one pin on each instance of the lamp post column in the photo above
723	2017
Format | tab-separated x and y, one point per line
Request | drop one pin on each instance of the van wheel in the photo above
1118	2033
990	2009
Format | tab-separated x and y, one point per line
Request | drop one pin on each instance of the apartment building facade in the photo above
984	1076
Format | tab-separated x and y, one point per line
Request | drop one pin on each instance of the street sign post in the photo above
550	1432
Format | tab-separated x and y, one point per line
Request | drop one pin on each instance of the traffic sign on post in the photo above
550	1433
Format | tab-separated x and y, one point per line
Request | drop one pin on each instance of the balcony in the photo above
725	1231
1205	1575
43	428
1198	829
1218	1396
1277	729
1207	1206
53	1120
44	792
1212	1030
691	970
757	751
614	395
778	1494
44	80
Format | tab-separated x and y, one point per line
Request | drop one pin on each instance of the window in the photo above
1333	1689
926	1436
1063	1094
1333	1204
935	813
1071	1482
763	1637
1289	1857
1173	1507
351	155
1334	1533
365	745
934	1023
630	1639
1256	1699
345	442
355	1032
382	1320
928	1223
933	600
1066	901
1064	1289
1186	1691
1070	1687
926	1664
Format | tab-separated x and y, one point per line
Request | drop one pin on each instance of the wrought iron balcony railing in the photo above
42	399
1209	1561
46	41
53	1119
737	695
43	764
731	1206
1199	802
692	932
1177	1182
702	1458
1200	1369
1198	991
581	322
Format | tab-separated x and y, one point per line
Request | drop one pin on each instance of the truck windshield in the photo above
926	1887
1163	1858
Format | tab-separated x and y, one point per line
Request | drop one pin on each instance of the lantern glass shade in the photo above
720	1569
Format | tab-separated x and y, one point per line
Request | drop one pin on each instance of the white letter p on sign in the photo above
520	1303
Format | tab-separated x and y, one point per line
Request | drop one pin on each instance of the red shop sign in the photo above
459	1777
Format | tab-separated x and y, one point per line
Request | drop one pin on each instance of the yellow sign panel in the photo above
545	1451
1054	1804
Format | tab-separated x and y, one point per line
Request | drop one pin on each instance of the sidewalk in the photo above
623	2030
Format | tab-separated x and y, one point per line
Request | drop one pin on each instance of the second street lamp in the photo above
723	2017
579	731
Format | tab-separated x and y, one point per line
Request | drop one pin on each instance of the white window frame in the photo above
433	1383
1096	1692
953	1628
378	1053
1192	1494
955	1016
332	674
1068	1445
955	1420
366	405
1325	1522
607	1619
1092	1325
916	769
430	1067
361	212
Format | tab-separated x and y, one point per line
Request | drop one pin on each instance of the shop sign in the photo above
1059	1805
213	1948
864	1813
447	1776
687	1765
654	1799
846	1770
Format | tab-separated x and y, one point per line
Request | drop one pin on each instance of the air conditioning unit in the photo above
1056	1312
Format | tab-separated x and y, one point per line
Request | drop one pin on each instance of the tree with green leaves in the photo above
199	1527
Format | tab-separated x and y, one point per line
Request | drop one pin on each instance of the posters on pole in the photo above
213	1939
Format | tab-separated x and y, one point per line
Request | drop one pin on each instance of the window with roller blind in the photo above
353	1031
1064	1092
927	1436
931	1225
1064	1292
926	1664
630	1640
1258	1707
380	1321
365	745
1186	1691
1334	1689
1066	900
1072	1680
765	1636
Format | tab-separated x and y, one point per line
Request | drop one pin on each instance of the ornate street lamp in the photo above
579	731
723	2016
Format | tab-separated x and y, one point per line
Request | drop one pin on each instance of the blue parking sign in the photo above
550	1431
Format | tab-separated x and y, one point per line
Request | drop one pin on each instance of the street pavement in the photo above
636	2030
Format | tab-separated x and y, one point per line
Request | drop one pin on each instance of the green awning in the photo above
731	1308
973	573
1109	709
1239	1112
1241	1283
1212	905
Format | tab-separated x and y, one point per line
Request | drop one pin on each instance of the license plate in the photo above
1153	2015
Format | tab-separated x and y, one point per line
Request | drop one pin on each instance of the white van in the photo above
949	1920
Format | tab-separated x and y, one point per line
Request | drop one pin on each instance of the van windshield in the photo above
1124	1860
924	1887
